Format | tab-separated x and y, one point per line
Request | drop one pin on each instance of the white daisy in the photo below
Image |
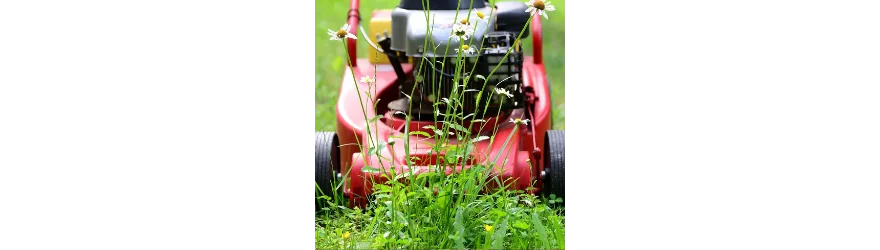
467	49
462	32
341	34
367	80
540	7
518	121
502	91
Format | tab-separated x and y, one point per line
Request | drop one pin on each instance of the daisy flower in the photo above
462	31
467	49
502	91
367	80
341	34
518	121
540	7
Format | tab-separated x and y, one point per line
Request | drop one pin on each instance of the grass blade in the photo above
498	237
542	234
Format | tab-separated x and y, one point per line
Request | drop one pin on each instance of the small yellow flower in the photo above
488	228
481	15
465	22
346	235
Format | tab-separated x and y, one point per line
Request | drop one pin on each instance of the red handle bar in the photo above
537	40
353	17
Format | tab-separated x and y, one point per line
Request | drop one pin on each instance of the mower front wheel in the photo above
326	165
554	163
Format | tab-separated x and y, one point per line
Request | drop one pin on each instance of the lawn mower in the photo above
533	159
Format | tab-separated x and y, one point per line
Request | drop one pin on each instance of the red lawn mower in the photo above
533	157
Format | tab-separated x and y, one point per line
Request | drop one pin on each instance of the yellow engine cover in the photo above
379	23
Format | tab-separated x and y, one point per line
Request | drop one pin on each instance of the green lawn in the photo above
329	60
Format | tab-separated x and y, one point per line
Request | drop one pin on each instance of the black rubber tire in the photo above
554	163
326	164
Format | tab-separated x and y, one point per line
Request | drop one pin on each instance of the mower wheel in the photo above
554	163
326	164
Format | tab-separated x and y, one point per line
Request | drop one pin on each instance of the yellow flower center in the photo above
465	22
480	15
465	47
538	4
341	33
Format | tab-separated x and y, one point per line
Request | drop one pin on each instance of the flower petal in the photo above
549	8
352	36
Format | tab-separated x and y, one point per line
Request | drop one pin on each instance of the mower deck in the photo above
518	162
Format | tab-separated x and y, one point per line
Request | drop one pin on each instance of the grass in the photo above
414	217
470	209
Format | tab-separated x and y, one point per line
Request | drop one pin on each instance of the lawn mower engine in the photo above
496	61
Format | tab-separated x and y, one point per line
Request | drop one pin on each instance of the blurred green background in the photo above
330	56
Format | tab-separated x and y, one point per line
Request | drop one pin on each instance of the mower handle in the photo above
354	17
537	40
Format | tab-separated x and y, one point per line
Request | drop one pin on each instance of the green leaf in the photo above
375	118
521	225
375	150
459	229
498	237
401	175
422	133
368	169
542	233
457	127
480	138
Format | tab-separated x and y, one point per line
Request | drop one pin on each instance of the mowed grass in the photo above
330	60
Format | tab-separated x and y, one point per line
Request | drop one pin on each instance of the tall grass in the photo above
434	210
